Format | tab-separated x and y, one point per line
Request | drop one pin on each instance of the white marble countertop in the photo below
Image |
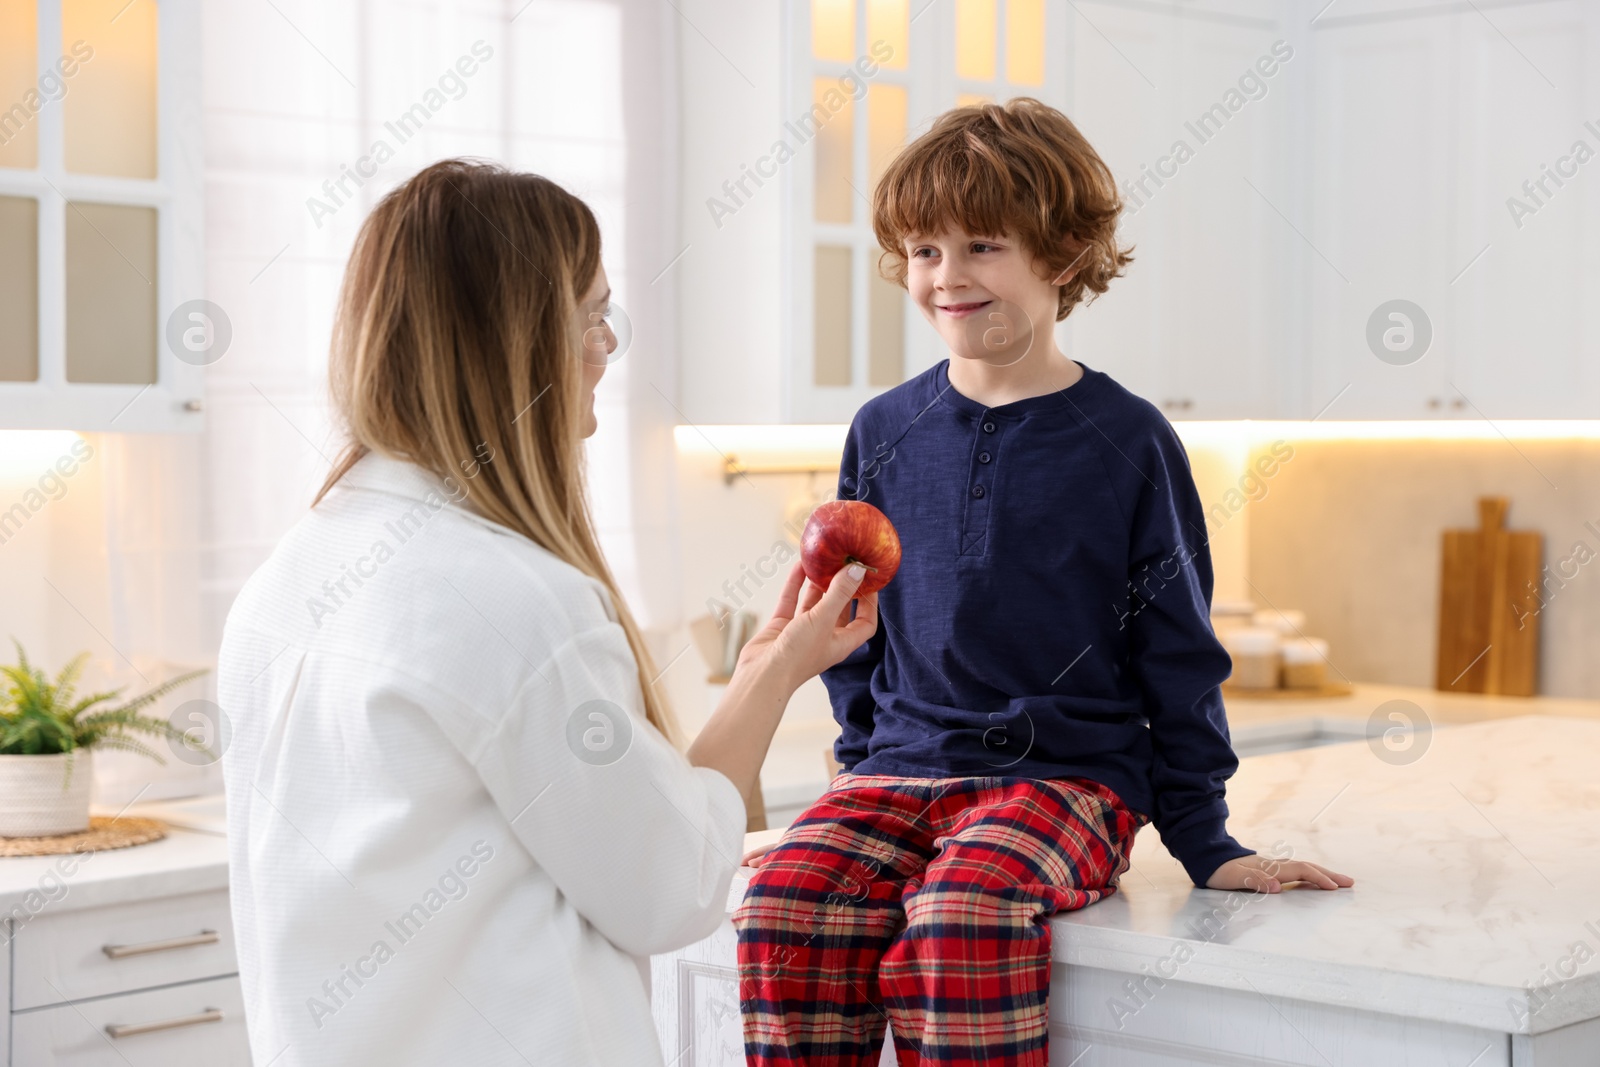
181	862
795	770
1443	708
1476	867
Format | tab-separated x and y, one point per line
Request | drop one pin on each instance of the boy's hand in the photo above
755	857
1263	874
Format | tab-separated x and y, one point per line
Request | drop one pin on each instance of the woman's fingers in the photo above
857	631
809	596
834	603
844	616
812	628
790	593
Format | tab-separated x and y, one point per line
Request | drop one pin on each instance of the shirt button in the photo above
988	427
977	490
983	457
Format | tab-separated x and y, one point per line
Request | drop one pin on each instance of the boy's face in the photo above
983	294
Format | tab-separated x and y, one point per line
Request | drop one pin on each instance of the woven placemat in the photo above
103	832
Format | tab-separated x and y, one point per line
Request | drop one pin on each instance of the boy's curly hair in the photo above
1020	168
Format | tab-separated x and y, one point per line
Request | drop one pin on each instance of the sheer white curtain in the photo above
299	94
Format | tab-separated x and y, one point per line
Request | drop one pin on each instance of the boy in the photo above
1045	680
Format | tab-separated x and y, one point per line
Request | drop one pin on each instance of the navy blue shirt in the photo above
1051	615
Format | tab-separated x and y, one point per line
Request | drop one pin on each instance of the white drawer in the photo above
76	1035
63	956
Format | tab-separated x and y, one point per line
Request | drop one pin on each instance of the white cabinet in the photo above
1190	110
694	999
1381	169
1425	130
99	951
1129	121
1528	198
151	981
1394	223
101	258
198	1024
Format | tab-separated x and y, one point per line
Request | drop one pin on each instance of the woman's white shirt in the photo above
453	836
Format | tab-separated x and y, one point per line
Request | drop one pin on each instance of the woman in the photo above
458	823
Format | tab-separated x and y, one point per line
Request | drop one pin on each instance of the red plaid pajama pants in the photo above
922	901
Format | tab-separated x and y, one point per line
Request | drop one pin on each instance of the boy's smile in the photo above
985	295
963	310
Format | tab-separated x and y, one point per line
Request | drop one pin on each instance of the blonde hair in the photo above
458	335
1019	168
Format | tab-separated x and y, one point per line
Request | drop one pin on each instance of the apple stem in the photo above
852	559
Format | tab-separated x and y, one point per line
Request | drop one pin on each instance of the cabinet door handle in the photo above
204	937
210	1015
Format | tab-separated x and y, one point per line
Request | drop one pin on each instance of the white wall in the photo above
297	93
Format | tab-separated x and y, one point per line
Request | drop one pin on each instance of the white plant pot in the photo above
37	799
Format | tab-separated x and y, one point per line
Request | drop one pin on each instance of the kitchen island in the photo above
1471	936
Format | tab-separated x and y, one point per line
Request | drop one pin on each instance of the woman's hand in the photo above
822	633
1263	874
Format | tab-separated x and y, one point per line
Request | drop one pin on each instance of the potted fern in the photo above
48	735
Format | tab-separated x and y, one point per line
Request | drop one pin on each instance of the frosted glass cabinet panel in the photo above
887	331
889	21
888	108
111	294
19	34
102	242
19	289
975	39
835	143
1025	42
833	29
111	110
832	328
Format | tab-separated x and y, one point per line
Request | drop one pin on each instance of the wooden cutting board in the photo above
1489	607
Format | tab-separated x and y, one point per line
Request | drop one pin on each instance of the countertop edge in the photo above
1452	1001
179	864
1405	994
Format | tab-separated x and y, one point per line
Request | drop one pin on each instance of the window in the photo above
867	77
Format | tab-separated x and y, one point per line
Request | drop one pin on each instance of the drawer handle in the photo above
210	1015
204	937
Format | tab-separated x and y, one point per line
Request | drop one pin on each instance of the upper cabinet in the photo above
101	257
1450	201
1528	214
1190	107
866	77
1383	250
1363	210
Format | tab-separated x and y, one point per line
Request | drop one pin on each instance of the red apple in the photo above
842	532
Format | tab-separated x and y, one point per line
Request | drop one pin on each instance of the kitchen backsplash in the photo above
1345	530
1349	532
